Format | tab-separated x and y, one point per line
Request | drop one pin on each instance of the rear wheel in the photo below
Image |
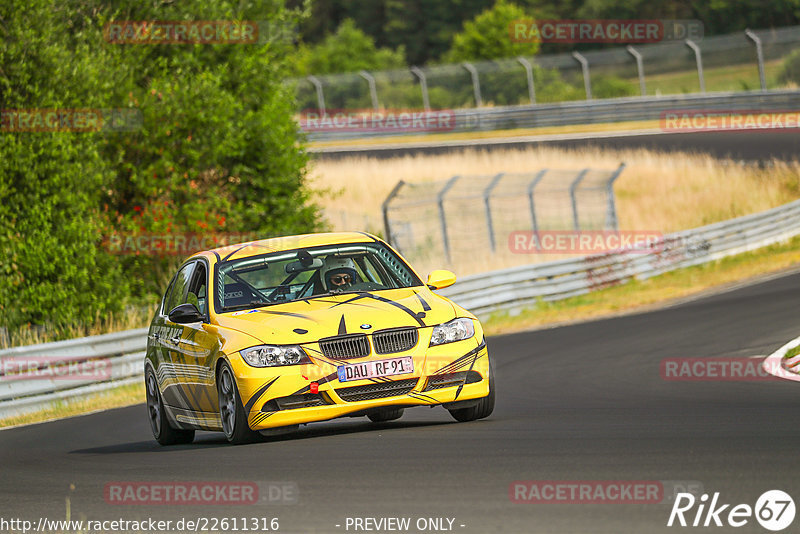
231	411
484	408
386	415
162	431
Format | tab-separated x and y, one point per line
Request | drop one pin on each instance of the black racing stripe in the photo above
425	305
258	418
234	252
287	314
369	236
342	326
460	362
422	397
257	395
397	305
458	391
251	244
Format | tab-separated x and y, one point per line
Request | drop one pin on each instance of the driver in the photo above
338	273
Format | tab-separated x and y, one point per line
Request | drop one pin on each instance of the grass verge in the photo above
640	295
791	353
113	398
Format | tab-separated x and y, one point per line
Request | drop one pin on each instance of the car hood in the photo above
309	320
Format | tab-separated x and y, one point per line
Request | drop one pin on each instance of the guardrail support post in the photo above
476	83
423	83
532	205
487	202
760	55
699	59
572	194
639	67
320	94
529	75
385	209
587	81
611	216
442	217
373	92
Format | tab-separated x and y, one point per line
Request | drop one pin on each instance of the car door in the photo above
198	346
167	336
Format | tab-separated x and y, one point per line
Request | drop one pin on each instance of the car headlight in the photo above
275	355
455	330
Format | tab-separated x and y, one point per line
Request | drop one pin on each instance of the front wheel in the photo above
162	431
483	409
231	411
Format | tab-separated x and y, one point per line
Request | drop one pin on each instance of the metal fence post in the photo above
529	75
487	202
587	81
442	218
639	67
572	190
385	209
320	94
423	83
760	55
611	216
373	92
699	59
476	83
532	204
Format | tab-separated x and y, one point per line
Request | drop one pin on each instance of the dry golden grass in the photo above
656	192
132	317
118	397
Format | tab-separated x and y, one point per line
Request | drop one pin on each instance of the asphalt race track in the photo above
582	402
749	146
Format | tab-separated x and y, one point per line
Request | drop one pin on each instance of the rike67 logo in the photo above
774	510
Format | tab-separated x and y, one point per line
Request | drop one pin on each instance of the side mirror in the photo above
185	314
440	278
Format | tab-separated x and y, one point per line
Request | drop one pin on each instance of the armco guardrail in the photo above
508	289
586	112
35	377
520	287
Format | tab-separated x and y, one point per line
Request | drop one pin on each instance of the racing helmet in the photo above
338	273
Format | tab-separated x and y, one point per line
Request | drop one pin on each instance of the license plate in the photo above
375	369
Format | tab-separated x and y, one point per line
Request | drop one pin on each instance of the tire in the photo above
386	415
159	424
483	409
231	411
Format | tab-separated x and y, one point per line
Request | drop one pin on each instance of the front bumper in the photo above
275	397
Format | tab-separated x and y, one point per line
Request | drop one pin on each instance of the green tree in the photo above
347	50
218	149
487	36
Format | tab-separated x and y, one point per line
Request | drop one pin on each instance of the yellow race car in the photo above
258	338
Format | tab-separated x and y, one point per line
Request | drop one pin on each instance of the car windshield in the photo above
305	273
